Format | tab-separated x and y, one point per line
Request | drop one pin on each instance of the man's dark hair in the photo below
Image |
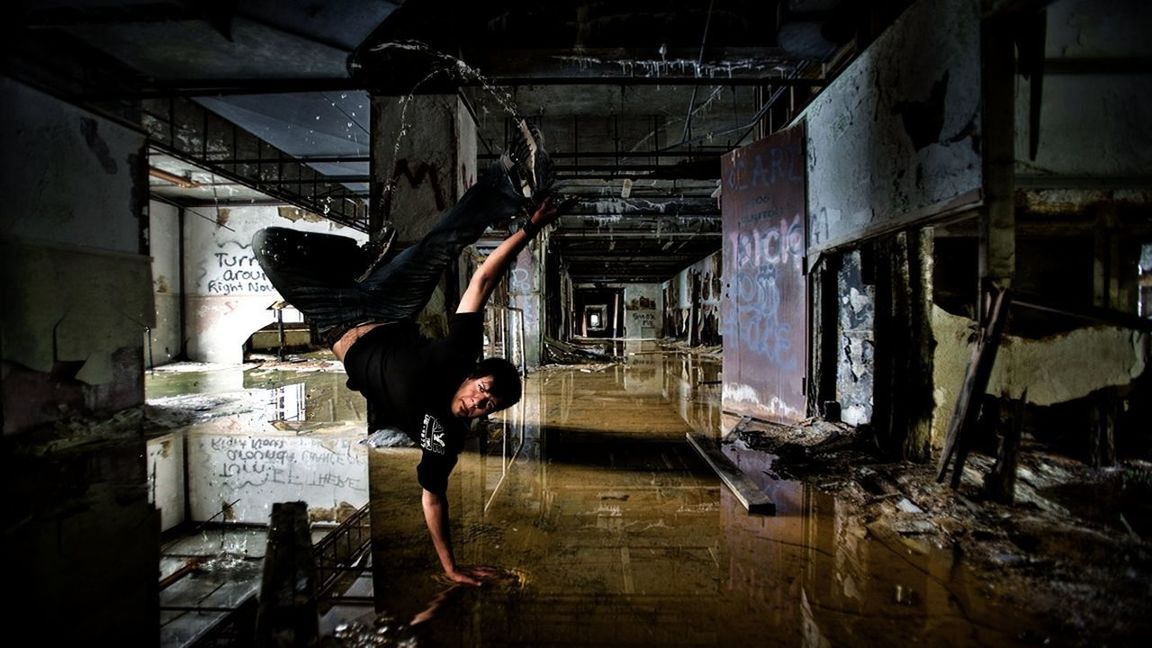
505	379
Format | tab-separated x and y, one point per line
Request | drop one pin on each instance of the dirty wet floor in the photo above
612	531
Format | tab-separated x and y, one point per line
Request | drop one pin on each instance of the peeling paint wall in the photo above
677	309
228	295
162	342
76	295
68	176
525	293
894	138
856	335
1054	369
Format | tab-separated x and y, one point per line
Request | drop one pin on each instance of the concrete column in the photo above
424	148
423	160
997	250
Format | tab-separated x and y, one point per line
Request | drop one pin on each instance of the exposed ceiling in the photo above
637	98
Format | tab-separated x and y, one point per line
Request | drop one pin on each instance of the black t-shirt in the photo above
412	380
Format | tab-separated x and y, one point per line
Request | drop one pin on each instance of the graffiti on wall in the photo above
767	262
764	307
257	461
270	469
524	291
425	171
232	270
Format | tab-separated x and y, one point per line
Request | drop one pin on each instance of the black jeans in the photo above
317	273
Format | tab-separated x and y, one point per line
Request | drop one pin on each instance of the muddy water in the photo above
611	531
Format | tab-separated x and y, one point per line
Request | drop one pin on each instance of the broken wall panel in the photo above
856	341
894	139
677	308
764	311
71	331
1046	371
692	302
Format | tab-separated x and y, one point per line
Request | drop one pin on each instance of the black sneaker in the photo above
376	252
532	166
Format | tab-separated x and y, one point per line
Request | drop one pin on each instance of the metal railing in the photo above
337	553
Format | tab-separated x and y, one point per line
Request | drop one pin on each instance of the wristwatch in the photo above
530	228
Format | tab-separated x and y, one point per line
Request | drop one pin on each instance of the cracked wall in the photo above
856	339
76	296
895	137
1045	371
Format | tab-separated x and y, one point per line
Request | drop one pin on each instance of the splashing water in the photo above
443	64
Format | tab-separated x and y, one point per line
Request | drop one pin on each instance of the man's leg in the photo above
313	272
401	288
316	272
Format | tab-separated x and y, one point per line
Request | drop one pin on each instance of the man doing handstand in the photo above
366	310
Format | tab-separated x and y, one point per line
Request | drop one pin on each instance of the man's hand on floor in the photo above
474	575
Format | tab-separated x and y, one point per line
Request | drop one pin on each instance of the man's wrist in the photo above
530	228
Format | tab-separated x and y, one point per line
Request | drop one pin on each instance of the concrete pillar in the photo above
526	293
424	148
423	160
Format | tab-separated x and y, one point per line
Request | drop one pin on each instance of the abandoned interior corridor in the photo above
843	337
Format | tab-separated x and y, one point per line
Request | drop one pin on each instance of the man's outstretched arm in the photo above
487	276
436	517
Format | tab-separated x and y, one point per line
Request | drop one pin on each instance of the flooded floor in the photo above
612	531
607	525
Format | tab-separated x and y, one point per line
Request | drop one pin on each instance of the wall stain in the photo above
90	128
923	120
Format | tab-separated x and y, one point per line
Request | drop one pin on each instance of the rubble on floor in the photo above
1075	546
558	352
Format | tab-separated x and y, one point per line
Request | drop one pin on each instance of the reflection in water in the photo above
236	442
298	401
617	533
288	403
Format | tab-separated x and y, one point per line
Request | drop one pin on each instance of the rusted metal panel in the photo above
764	310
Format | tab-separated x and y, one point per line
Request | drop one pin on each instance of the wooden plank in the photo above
1000	483
972	391
749	494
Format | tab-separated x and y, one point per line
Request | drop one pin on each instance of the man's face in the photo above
473	400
